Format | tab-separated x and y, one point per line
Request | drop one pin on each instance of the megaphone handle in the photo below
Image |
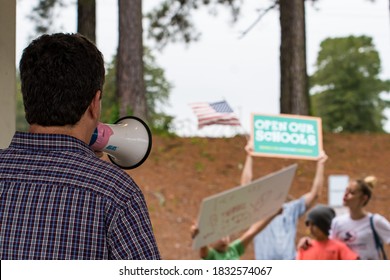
104	133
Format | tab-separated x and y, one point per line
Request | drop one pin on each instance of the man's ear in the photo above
95	105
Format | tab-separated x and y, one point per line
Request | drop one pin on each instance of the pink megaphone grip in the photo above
104	134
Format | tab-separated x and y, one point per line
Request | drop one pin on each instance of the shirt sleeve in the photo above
130	236
295	208
237	245
382	227
211	254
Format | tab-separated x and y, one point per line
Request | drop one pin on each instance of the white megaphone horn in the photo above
127	142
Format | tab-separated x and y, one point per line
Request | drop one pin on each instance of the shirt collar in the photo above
49	142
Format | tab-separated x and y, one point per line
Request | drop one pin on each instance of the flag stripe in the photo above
214	113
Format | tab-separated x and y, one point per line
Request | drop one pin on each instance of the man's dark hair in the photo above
60	74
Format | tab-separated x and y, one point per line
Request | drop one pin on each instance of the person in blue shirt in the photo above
277	240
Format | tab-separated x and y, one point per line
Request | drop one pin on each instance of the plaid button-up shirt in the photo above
59	201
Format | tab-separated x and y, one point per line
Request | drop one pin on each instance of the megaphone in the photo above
127	142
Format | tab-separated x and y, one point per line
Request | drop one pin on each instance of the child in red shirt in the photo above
319	220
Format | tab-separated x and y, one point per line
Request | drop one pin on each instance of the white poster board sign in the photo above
236	209
337	185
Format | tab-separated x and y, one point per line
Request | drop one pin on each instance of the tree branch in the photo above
263	12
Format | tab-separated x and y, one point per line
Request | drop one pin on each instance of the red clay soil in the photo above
180	172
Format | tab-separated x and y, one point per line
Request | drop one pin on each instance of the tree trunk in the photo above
130	68
86	18
294	97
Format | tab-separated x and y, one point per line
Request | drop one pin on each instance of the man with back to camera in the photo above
58	199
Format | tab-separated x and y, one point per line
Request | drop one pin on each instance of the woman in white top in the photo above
354	228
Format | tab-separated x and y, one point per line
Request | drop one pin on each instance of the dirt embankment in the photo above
180	172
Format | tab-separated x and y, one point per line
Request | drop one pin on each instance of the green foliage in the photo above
199	166
346	86
110	105
21	123
207	155
157	95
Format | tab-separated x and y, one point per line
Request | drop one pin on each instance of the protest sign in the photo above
236	209
287	136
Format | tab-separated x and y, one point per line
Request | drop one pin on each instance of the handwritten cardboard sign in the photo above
287	136
236	209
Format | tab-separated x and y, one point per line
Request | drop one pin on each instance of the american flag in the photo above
214	113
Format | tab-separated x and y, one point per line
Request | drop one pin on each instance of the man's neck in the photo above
70	130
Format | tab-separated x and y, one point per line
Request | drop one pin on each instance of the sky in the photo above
244	71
